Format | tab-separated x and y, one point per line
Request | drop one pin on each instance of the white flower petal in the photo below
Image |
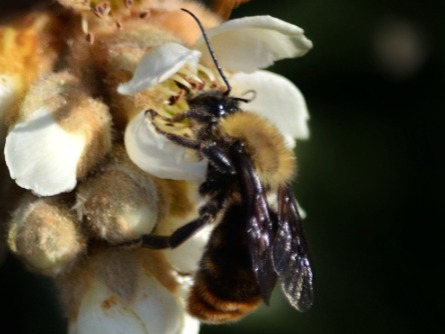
154	310
251	43
157	155
190	326
277	99
42	156
101	312
159	310
158	65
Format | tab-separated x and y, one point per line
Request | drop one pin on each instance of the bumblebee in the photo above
258	237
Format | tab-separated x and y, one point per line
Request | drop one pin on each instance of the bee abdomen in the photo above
225	287
211	308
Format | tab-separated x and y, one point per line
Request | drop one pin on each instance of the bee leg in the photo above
218	158
207	214
178	237
180	140
201	115
152	113
175	98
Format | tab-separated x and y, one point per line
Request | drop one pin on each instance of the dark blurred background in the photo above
370	176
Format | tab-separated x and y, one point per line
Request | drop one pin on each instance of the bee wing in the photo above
260	231
290	255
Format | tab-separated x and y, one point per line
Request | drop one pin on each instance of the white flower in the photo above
154	310
242	46
250	43
58	135
147	148
151	309
159	65
277	99
49	173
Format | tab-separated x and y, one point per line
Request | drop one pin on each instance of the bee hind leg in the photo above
178	237
207	214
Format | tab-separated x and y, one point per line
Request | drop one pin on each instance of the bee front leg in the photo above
199	114
180	140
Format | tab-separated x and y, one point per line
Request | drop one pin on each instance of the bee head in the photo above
216	103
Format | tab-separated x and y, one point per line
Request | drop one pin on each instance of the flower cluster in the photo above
74	84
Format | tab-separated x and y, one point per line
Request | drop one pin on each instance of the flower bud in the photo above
121	203
45	233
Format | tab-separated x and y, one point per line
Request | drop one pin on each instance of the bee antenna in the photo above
212	53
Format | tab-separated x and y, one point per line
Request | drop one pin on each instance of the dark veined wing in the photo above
260	230
290	254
